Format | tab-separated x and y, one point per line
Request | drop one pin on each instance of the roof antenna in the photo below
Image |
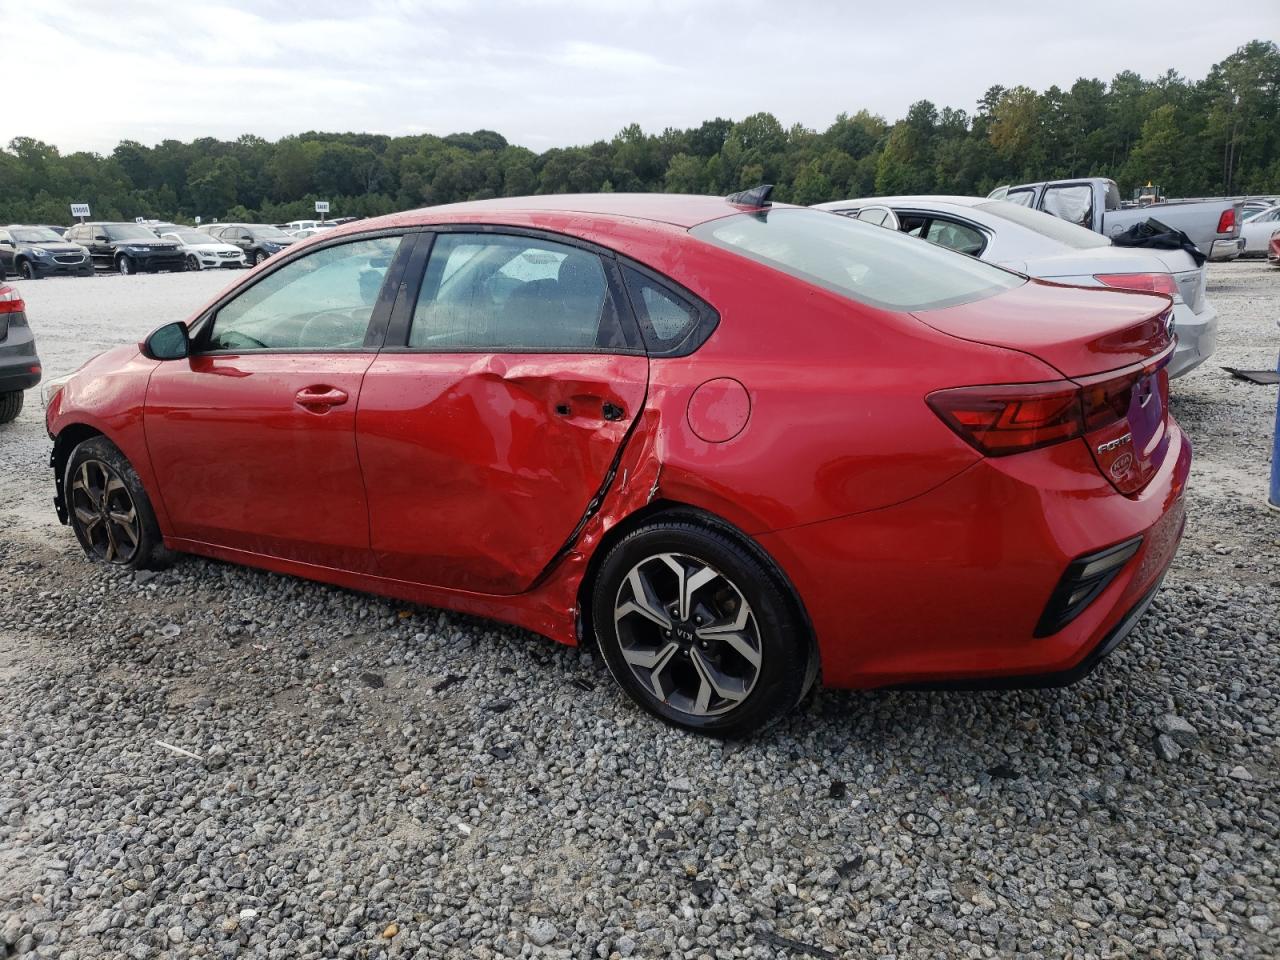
755	197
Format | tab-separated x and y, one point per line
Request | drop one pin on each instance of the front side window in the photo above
490	292
1073	204
882	268
324	300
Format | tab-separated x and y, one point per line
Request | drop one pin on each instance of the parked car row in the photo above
731	443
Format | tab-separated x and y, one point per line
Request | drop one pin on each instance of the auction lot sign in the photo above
80	210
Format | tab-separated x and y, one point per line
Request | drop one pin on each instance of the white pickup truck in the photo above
1094	203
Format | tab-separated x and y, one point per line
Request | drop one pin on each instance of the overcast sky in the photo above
85	75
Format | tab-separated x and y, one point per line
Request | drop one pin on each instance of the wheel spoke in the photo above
112	549
725	687
649	659
688	582
655	674
128	531
87	517
642	602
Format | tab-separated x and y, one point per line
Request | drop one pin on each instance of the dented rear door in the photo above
485	435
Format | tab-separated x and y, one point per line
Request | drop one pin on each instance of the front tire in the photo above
10	406
26	271
698	631
258	257
193	262
109	510
125	265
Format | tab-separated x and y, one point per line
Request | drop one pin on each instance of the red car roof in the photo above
680	210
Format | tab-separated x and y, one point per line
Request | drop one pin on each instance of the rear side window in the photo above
490	292
671	323
1073	204
1023	198
956	236
882	268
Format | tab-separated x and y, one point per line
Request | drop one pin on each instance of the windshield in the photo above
865	263
35	235
1045	224
268	233
128	231
191	236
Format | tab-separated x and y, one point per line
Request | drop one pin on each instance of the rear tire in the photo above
699	631
109	509
10	406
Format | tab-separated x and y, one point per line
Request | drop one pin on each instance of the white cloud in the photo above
554	72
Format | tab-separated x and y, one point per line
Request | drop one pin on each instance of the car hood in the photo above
212	247
166	244
1079	331
1095	260
52	246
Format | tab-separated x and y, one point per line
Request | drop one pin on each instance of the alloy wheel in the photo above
105	513
26	271
193	262
125	265
688	634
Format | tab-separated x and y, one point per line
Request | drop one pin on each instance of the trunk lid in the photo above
1079	331
1112	347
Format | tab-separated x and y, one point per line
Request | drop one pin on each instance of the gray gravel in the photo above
216	762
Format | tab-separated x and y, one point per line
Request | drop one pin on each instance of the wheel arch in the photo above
66	440
664	509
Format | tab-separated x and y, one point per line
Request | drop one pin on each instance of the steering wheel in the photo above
333	328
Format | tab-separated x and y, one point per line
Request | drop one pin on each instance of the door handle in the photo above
321	397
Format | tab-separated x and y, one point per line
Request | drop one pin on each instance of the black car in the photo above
19	365
257	240
35	252
127	247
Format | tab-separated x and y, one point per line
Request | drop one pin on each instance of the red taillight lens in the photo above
1012	418
1227	222
10	301
1146	282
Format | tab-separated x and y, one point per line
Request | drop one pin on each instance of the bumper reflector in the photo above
1085	578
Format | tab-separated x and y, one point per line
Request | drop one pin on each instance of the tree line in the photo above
1218	135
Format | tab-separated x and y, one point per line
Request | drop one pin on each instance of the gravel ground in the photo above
371	780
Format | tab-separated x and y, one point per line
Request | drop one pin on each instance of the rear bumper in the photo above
1226	249
1197	338
949	587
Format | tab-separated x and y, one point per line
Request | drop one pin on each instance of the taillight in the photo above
11	301
1227	222
1146	282
1003	419
1012	418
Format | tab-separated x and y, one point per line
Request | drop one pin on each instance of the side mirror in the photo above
170	342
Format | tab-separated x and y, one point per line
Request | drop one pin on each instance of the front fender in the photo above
107	396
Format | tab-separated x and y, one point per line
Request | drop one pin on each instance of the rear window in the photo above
1045	224
869	264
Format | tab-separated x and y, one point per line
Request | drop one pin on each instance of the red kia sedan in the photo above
741	446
